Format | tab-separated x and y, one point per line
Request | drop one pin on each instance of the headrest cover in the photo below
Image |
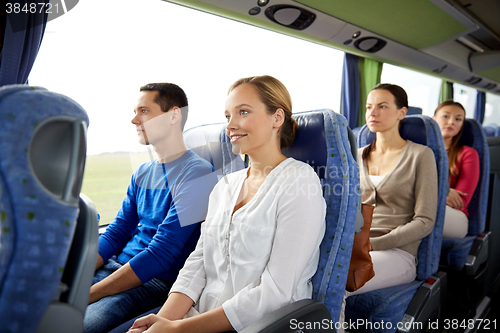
412	110
308	146
411	128
467	138
491	130
43	224
211	143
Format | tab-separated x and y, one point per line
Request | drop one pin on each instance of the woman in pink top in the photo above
464	168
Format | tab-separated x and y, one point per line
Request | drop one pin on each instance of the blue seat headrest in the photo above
467	137
411	128
491	130
309	147
211	143
413	110
42	158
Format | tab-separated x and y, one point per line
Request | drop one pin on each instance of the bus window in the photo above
492	112
465	96
103	68
423	90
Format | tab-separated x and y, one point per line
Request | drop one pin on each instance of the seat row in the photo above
36	242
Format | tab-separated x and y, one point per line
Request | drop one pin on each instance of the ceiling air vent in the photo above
473	80
290	16
370	44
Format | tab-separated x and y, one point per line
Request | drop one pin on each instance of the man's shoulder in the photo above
197	164
145	167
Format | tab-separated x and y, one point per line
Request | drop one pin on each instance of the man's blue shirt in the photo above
158	225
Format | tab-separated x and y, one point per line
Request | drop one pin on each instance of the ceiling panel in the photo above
492	74
416	23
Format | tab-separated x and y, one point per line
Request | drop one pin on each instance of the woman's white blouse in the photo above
264	256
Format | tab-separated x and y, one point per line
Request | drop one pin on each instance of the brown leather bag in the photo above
361	266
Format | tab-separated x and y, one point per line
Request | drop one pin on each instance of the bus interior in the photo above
455	41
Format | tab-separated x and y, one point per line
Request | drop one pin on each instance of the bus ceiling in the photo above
457	40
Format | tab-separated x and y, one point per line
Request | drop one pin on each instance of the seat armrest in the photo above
61	318
306	315
425	305
478	254
80	263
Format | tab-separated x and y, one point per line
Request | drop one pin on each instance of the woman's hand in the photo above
454	199
154	324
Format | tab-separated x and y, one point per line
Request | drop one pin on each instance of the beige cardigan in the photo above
405	200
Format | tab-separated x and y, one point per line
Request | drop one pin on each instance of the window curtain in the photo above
22	39
446	92
480	106
349	101
370	72
359	76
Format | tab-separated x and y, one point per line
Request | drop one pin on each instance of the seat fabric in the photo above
211	143
491	130
37	226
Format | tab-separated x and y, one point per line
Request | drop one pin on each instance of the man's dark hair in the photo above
169	95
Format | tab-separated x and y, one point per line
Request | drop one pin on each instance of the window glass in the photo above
492	109
422	89
465	96
102	65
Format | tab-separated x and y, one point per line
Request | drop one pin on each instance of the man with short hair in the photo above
143	249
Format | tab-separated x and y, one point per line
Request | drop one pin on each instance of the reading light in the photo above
290	16
370	44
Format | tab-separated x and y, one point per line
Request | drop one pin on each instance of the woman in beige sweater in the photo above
399	178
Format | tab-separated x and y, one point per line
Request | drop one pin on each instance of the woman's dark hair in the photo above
455	146
275	96
169	95
401	100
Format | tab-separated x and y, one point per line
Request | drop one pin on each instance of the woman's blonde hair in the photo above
455	146
275	96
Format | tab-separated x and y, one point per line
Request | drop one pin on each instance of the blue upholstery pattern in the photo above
330	155
37	228
491	130
211	143
356	131
455	250
6	229
390	304
413	110
474	137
